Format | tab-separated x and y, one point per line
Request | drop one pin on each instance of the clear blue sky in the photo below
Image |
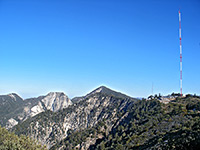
77	45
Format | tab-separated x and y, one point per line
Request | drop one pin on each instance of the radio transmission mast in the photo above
180	53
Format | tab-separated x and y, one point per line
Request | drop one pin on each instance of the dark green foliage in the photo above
148	125
75	138
27	127
10	141
176	94
139	125
152	125
193	106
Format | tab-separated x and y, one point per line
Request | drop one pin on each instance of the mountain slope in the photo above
13	109
105	119
145	125
50	128
102	90
53	101
153	125
10	141
10	105
106	91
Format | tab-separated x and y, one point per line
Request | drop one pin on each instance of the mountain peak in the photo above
55	93
101	89
55	101
15	97
107	91
104	89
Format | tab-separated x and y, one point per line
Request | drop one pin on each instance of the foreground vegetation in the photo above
10	141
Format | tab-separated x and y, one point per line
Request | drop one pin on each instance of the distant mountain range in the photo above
13	109
104	119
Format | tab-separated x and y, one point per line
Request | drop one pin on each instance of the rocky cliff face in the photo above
13	109
9	105
105	119
51	127
53	101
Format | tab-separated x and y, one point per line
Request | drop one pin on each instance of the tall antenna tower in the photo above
180	52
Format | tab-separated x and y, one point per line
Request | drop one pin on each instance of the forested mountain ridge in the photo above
51	127
105	119
147	124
